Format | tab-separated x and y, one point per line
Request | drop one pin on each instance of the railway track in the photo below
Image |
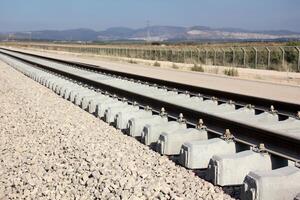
239	140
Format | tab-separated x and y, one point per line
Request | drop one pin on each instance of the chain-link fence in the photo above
280	58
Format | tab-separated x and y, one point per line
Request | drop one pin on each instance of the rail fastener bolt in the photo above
181	119
227	136
200	125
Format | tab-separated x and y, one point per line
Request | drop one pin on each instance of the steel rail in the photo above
276	143
262	104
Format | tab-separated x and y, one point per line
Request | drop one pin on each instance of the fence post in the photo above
269	57
139	52
223	57
233	55
244	57
298	66
136	53
152	53
178	55
167	54
183	55
215	56
283	55
198	56
205	56
255	49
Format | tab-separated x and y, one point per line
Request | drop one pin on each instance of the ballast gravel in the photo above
51	149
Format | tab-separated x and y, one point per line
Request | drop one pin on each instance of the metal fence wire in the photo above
279	58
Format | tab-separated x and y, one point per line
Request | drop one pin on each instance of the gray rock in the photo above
53	149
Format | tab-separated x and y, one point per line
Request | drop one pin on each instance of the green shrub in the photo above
293	43
231	72
156	64
197	68
291	56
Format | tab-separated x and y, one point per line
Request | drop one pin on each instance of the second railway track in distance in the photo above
238	139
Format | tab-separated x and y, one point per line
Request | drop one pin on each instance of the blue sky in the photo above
25	15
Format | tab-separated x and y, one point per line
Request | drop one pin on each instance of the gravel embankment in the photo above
51	149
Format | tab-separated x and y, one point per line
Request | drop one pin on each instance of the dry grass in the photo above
197	68
156	64
231	72
132	62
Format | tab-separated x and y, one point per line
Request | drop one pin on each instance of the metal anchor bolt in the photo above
181	119
249	106
261	148
227	135
148	108
272	110
163	112
297	164
214	98
201	125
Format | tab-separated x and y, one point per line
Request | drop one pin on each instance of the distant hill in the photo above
154	33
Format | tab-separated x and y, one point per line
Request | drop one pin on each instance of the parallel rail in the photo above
260	103
275	142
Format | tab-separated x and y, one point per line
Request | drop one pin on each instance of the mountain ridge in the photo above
153	33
